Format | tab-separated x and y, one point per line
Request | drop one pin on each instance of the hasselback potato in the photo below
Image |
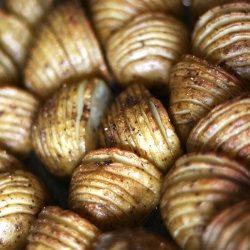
144	50
197	188
22	195
65	50
57	228
66	126
224	130
114	188
140	123
221	36
197	86
18	109
109	16
229	229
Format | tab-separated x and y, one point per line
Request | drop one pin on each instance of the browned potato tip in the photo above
197	86
144	50
109	16
225	130
64	50
221	36
141	124
66	126
133	239
32	11
18	109
56	228
22	196
114	188
229	230
196	189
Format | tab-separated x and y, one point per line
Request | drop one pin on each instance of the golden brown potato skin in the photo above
221	36
65	50
18	109
197	188
140	123
145	49
22	195
31	12
196	87
109	16
114	188
231	227
66	126
224	130
57	228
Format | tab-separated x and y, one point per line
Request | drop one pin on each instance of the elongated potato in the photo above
114	188
196	189
66	126
65	50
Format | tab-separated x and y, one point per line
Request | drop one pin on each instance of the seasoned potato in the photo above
57	228
145	49
196	87
65	50
22	196
114	188
66	126
138	122
196	189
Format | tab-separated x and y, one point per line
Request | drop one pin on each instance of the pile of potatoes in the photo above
111	111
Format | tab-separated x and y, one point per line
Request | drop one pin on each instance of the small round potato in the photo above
56	228
114	188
